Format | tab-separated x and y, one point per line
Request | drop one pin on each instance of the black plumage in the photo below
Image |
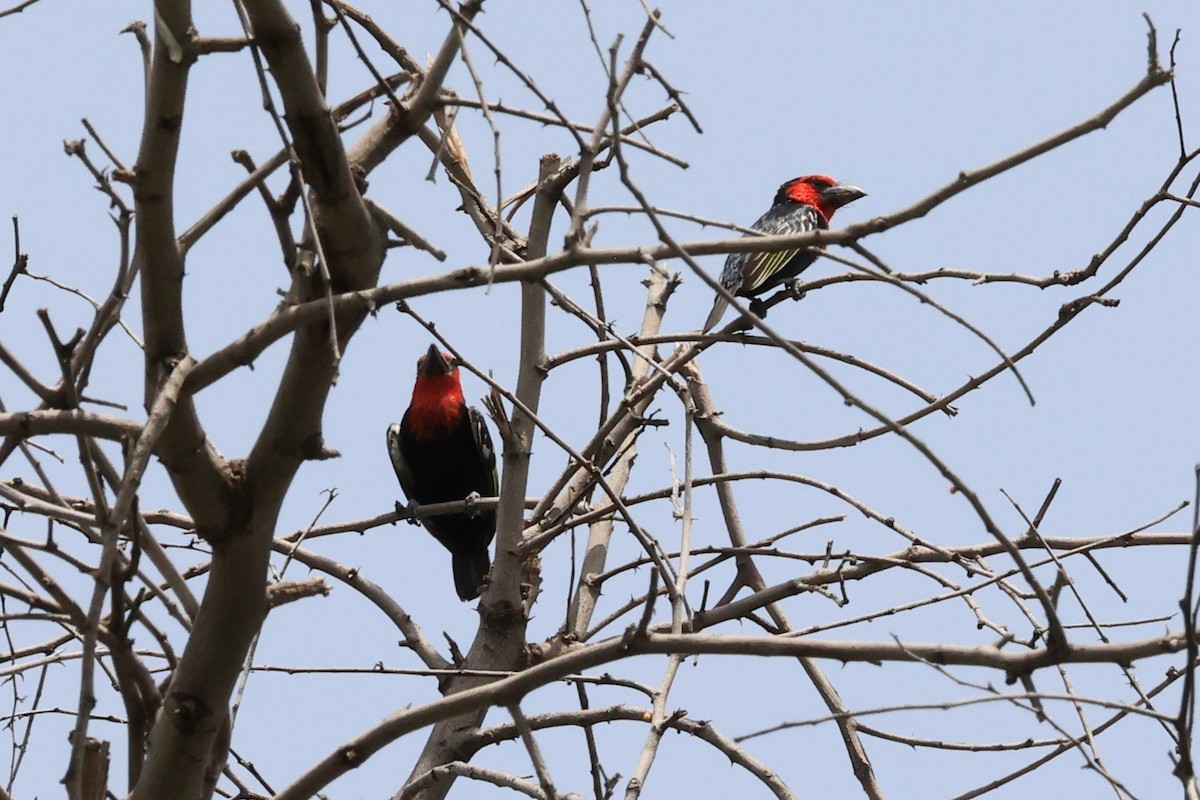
442	452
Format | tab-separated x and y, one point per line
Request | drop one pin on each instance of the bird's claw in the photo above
472	504
793	289
408	513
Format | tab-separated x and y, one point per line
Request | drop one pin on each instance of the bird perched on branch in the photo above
442	452
801	205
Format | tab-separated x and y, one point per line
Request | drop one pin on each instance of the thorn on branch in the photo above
675	95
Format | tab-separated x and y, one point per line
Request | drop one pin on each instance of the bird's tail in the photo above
714	316
470	568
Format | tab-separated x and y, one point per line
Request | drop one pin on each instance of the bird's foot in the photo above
758	308
408	513
793	289
472	504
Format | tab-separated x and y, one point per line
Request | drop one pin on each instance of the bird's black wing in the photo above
483	444
400	463
759	269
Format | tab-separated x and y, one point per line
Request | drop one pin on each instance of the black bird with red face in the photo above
442	451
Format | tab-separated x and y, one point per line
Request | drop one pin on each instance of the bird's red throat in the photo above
437	404
807	194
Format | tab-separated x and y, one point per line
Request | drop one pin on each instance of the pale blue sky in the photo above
896	98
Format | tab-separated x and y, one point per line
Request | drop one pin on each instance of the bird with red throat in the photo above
442	452
801	205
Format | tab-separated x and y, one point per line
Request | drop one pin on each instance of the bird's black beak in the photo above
434	363
841	194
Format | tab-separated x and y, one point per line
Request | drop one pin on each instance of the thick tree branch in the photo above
197	471
351	240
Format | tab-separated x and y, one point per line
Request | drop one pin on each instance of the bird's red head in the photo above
437	400
819	191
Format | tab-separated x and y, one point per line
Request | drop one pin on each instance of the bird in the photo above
801	205
442	451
